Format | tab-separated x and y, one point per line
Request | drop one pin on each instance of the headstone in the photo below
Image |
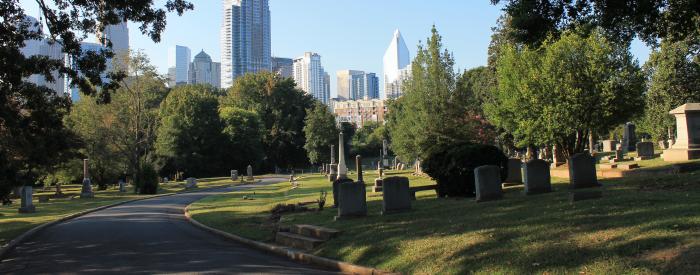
619	156
629	138
687	142
26	205
418	169
122	186
342	168
250	173
352	200
582	173
234	175
358	166
86	191
378	182
385	153
514	173
609	145
487	179
536	177
191	183
645	150
336	190
333	174
396	196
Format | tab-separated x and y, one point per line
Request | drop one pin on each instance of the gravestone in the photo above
358	166
250	173
333	174
26	205
191	183
352	200
609	145
582	173
687	141
396	195
418	169
536	177
342	168
629	138
122	186
487	179
234	175
385	153
514	173
378	182
86	191
332	154
619	156
336	190
645	150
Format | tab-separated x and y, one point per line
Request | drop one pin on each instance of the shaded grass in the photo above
642	225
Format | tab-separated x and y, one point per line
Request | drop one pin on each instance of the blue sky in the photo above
348	34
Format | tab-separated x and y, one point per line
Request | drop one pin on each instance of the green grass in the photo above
13	224
642	225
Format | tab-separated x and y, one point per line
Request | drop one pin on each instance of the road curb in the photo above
292	254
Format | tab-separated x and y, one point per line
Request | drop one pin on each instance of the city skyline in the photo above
465	27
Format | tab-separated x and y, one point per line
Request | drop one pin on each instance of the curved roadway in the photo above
148	236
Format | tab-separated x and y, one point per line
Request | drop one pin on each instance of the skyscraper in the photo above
204	71
353	85
284	67
178	65
310	76
245	39
397	64
118	35
43	47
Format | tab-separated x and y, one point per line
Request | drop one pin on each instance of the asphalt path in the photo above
144	237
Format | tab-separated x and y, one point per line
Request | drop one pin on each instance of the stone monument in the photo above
250	173
582	173
514	174
352	199
396	196
687	144
122	186
234	175
487	180
536	177
379	182
86	191
333	173
358	166
26	205
385	154
629	138
645	150
342	168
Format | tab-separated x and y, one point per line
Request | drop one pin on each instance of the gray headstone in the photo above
397	197
352	200
487	179
514	174
629	138
645	149
536	177
86	191
191	183
582	172
250	172
358	166
336	190
26	205
122	186
234	174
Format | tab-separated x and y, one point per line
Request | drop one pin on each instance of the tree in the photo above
243	129
282	108
674	79
432	111
190	138
321	132
33	135
558	93
651	20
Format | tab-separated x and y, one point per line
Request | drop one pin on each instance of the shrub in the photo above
452	166
147	180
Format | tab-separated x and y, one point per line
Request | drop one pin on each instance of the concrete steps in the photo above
304	236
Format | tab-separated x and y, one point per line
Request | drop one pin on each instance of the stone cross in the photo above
342	168
358	165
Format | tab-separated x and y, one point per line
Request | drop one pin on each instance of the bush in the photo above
452	166
147	180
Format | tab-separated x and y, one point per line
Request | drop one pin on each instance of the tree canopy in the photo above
321	132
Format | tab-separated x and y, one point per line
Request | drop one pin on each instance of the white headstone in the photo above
342	168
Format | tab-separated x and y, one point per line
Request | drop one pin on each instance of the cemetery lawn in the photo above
642	225
13	224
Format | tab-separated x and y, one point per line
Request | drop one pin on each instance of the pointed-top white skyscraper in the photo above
397	63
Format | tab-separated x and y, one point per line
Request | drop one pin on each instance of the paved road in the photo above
149	236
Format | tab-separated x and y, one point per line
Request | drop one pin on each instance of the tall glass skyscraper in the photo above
179	65
310	76
245	39
397	65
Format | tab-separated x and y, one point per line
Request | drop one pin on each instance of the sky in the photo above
348	34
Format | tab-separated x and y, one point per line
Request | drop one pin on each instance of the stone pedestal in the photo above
687	144
396	196
536	177
26	205
487	179
352	199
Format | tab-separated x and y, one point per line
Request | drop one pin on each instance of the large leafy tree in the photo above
190	138
559	92
321	132
674	79
31	130
282	109
244	131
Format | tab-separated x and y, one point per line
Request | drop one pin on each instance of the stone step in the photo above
297	241
314	231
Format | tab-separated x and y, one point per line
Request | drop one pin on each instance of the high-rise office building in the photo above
327	88
397	64
245	39
353	85
310	76
204	71
43	47
284	67
178	65
118	35
73	91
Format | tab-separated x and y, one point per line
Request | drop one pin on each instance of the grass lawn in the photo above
12	224
642	225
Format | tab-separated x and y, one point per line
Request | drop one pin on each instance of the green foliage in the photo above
674	79
243	129
190	137
147	180
432	110
367	141
282	109
453	166
558	93
320	132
